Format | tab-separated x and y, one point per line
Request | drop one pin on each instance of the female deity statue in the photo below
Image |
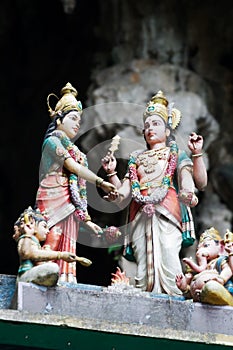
161	180
64	172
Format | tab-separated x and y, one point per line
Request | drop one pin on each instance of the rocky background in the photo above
117	54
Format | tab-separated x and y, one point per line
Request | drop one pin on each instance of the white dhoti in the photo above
156	242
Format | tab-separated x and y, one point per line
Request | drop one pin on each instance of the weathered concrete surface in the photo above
104	304
124	312
182	338
7	289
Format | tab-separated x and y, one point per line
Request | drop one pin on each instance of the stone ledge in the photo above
123	329
113	307
7	290
111	311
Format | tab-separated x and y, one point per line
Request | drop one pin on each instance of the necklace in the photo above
150	158
160	192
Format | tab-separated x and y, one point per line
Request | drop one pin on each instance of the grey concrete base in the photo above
123	311
7	290
62	332
125	306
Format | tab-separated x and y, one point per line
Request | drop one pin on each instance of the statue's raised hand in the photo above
109	162
195	143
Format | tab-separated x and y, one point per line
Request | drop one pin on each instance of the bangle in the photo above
59	256
197	155
111	174
99	181
230	254
87	218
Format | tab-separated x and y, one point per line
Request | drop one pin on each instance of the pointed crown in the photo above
160	106
26	217
228	237
66	103
210	234
31	213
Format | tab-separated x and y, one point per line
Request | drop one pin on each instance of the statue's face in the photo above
70	124
155	130
209	248
41	230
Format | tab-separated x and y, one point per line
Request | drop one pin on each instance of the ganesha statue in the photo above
209	280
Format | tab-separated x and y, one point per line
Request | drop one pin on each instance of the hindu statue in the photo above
162	181
63	175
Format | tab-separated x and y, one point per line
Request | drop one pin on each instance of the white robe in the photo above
166	243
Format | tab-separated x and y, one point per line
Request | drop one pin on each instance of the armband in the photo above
99	181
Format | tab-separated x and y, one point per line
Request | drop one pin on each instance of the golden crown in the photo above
210	233
31	213
159	105
67	102
228	237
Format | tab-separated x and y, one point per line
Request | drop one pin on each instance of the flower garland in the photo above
77	185
160	192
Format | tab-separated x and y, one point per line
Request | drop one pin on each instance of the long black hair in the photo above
54	123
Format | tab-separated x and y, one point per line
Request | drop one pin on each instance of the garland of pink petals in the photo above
77	185
160	192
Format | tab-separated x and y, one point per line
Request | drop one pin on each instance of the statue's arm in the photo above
195	144
27	249
186	187
87	174
226	273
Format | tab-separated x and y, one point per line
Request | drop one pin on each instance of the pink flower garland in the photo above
160	192
77	185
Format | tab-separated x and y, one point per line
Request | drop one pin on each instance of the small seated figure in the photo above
36	261
210	280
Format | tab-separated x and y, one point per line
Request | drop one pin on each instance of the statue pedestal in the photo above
87	316
128	306
7	290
